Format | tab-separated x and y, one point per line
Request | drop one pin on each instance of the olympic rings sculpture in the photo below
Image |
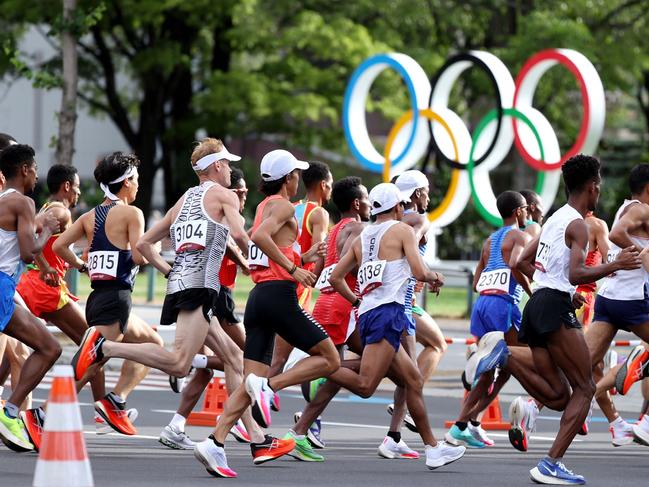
472	156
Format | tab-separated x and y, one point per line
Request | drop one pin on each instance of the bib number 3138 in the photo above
370	275
102	265
256	258
190	235
494	282
323	283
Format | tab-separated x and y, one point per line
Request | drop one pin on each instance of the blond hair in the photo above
205	147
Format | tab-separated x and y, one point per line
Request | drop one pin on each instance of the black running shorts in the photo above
545	312
188	300
109	306
273	308
225	307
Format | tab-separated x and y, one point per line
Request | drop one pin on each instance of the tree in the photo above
68	114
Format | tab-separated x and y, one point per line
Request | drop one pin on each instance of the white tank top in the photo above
396	273
553	255
625	285
9	249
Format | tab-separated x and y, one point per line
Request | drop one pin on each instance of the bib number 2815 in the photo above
370	275
102	265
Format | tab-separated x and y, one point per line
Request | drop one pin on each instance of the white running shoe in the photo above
261	395
407	420
480	434
173	438
522	416
391	449
622	434
469	368
442	454
641	431
213	458
102	427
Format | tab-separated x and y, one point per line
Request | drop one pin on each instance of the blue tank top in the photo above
496	262
109	266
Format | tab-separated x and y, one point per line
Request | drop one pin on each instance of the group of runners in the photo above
367	268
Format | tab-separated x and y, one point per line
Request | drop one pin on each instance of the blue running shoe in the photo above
547	472
314	432
492	352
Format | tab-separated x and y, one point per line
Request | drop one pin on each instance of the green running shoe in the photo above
303	449
12	433
457	437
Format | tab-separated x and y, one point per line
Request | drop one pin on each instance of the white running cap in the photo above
411	180
278	163
206	161
386	196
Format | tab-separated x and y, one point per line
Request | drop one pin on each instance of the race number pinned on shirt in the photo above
542	256
370	275
102	265
323	283
190	235
610	257
256	258
494	282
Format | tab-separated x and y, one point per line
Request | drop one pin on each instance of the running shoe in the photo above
442	454
622	434
177	384
260	395
102	428
34	426
456	436
238	431
302	450
314	432
310	388
271	449
468	374
274	403
641	431
115	415
391	449
632	370
173	438
583	431
480	434
89	352
13	434
213	458
522	416
407	420
547	472
492	352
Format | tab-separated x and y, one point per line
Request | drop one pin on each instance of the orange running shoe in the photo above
89	352
632	370
115	415
270	449
34	426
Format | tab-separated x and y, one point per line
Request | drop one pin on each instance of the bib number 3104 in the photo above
494	282
190	235
256	258
102	265
323	283
370	275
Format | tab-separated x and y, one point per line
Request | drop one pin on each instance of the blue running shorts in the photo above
624	315
494	313
385	322
7	291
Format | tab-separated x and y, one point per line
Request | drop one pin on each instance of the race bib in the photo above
323	283
370	275
610	257
494	282
542	256
190	235
102	265
256	258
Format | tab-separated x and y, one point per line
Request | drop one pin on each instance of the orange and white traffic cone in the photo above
63	460
215	396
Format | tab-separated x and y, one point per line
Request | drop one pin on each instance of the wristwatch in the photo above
356	303
83	268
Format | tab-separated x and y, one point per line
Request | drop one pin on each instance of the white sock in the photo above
178	422
617	422
200	361
296	436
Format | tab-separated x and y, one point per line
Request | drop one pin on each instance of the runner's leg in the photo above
431	337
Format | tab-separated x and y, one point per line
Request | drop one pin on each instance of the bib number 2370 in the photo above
370	275
102	265
256	258
494	282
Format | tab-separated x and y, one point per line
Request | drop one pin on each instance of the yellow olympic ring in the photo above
455	173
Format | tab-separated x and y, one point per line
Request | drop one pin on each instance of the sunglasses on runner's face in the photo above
240	190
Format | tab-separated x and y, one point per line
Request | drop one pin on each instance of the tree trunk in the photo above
68	114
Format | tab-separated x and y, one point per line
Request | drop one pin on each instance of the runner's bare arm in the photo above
230	205
533	230
520	240
484	257
71	235
633	219
146	244
578	272
30	246
345	265
525	262
416	262
135	232
319	219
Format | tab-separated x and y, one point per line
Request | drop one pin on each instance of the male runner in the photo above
17	243
534	218
556	369
273	308
333	311
112	230
501	287
387	257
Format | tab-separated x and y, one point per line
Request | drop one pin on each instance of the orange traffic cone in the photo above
215	396
492	419
62	460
